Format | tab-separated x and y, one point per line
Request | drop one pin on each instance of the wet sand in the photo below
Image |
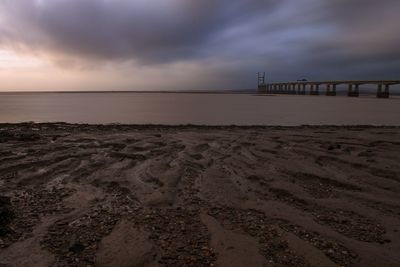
93	195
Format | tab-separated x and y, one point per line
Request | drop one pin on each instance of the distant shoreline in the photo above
239	92
138	92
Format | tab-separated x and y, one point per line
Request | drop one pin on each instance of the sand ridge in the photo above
199	196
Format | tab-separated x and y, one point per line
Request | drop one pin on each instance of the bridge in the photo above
314	88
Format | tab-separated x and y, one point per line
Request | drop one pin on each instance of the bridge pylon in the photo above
262	86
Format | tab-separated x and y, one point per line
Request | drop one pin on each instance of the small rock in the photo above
77	248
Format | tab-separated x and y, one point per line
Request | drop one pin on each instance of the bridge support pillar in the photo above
350	89
353	92
262	88
303	91
314	91
383	94
293	89
331	90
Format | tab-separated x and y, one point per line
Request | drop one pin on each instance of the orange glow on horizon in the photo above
11	60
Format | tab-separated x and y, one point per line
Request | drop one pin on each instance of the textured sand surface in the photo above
79	195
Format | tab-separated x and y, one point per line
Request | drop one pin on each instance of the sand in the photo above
120	195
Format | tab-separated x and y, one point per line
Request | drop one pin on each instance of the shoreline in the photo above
188	126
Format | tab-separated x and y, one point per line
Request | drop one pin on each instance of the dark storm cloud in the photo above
155	31
288	38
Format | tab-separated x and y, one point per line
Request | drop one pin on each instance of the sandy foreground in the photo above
81	195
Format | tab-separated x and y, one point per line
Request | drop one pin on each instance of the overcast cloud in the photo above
289	39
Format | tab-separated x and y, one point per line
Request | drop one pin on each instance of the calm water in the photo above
213	109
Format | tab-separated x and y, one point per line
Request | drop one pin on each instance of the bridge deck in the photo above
377	82
299	87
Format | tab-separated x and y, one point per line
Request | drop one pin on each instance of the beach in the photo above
153	195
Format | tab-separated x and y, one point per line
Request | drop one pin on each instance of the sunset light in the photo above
10	60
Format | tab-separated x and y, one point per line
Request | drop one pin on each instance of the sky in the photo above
59	45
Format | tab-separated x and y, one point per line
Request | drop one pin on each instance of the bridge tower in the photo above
262	87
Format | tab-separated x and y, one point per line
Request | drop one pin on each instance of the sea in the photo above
198	109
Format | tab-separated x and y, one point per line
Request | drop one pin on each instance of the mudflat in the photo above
125	195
